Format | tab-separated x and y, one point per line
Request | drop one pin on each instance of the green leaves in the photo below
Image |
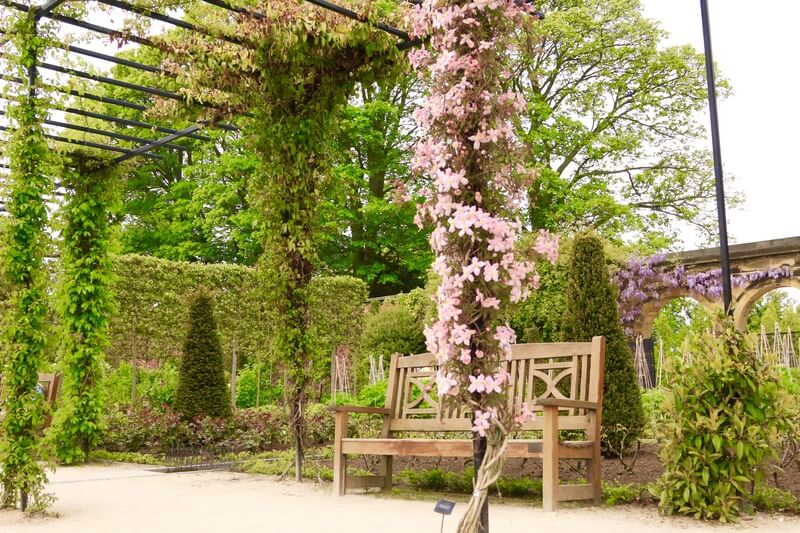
723	416
85	305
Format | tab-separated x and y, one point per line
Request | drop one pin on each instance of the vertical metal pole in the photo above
720	190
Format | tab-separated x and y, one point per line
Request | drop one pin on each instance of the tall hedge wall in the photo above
152	310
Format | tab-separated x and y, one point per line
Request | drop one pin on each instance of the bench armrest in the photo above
566	403
359	409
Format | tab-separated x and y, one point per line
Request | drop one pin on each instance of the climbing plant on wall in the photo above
468	149
294	66
21	476
85	303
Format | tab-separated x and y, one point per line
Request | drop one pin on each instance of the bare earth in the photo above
126	498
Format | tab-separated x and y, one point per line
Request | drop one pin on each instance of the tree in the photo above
591	309
368	234
201	380
611	119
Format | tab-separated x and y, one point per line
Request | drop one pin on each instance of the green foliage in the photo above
86	302
724	413
26	239
155	388
201	380
653	407
612	120
373	395
392	329
771	499
247	387
623	493
365	233
439	480
311	75
125	457
777	307
539	317
675	322
591	310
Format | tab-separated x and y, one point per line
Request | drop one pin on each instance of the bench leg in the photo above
387	472
594	465
339	459
550	459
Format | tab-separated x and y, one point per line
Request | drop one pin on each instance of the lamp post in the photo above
715	145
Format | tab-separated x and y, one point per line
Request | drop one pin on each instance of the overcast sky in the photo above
755	46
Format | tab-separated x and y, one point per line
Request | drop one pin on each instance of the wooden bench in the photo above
563	381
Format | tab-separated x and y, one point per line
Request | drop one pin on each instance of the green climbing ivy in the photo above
21	477
85	304
294	68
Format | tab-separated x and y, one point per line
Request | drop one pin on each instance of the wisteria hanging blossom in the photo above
646	279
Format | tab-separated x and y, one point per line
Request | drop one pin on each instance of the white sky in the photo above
755	46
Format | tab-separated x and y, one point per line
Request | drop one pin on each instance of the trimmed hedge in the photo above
152	315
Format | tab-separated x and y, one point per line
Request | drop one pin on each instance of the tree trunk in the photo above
478	453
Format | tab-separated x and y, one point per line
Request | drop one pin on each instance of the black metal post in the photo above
720	190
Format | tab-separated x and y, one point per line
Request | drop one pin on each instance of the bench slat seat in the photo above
561	382
459	448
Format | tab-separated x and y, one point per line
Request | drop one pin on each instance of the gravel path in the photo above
127	498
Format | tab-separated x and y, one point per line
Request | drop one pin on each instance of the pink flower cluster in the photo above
468	149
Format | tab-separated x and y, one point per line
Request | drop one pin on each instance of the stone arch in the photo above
651	308
751	294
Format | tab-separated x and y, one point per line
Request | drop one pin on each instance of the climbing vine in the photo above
644	279
470	151
21	477
85	304
294	66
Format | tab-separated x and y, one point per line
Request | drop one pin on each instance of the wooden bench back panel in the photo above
568	370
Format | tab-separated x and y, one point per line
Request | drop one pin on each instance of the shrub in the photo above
653	407
146	430
724	413
770	499
591	310
247	388
201	381
394	328
155	387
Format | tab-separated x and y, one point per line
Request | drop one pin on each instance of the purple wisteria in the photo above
644	279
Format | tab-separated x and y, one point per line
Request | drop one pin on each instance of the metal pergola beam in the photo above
109	134
144	150
45	11
88	144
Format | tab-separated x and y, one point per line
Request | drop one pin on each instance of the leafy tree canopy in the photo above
612	120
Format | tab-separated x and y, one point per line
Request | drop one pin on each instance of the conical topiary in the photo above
591	309
201	379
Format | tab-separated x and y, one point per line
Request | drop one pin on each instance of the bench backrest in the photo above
571	370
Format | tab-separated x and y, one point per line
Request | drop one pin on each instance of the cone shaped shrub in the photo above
591	310
201	381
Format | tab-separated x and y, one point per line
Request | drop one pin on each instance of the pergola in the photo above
130	146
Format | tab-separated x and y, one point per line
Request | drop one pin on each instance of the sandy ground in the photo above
126	498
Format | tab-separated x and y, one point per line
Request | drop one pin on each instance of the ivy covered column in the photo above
23	265
296	66
85	304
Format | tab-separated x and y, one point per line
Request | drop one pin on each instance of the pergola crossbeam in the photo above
144	150
89	144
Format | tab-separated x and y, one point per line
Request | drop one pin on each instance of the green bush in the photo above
591	309
393	328
201	380
724	414
247	388
653	406
770	499
155	387
373	395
